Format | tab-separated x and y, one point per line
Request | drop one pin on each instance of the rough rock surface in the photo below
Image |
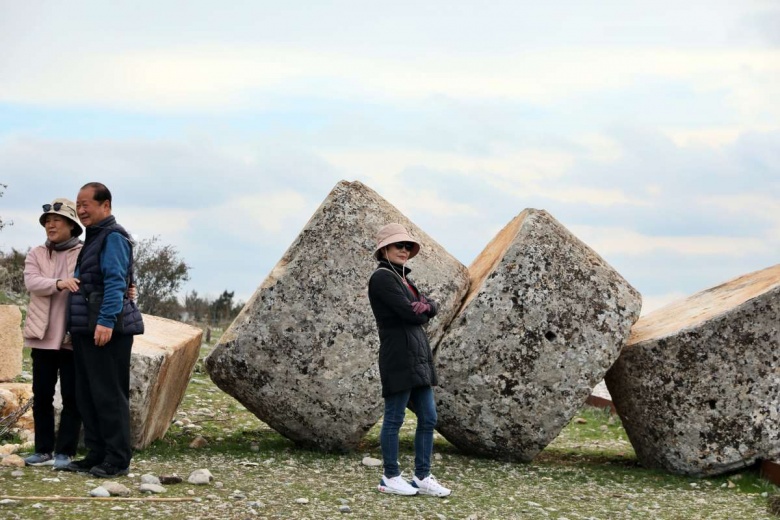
302	354
698	385
160	368
12	397
544	319
11	342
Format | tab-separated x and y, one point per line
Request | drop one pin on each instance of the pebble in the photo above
8	502
345	509
37	505
148	478
199	442
116	489
219	485
255	447
117	508
301	500
171	479
580	420
190	492
99	491
17	473
212	497
151	488
13	460
55	479
178	423
200	477
343	501
256	504
371	462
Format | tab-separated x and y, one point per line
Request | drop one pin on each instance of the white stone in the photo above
116	489
544	319
99	491
200	477
698	385
371	462
302	354
151	488
148	478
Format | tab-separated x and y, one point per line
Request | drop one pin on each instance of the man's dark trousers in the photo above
103	397
46	365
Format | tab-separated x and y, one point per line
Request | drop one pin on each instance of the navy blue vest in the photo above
91	278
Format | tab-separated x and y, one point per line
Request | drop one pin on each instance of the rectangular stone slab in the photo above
698	385
302	354
160	367
11	342
544	319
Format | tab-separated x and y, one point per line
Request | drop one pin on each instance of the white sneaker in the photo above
396	486
430	486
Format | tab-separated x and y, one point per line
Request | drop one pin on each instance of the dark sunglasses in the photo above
404	245
57	206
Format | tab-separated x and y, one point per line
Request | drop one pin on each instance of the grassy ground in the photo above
590	471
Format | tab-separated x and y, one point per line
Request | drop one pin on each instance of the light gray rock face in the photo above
160	366
11	342
698	385
302	354
544	319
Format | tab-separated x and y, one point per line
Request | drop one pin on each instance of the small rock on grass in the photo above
170	479
199	442
200	477
301	500
148	478
371	462
116	489
13	460
9	502
151	488
99	491
17	473
345	509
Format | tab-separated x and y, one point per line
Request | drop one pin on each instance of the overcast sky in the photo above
650	129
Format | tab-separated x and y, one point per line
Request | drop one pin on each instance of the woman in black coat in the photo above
405	361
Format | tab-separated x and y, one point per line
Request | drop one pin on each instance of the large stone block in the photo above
11	342
544	319
698	385
302	354
160	367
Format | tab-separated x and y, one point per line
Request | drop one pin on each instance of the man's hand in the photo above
420	307
102	335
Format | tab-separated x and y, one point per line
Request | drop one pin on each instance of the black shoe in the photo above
107	470
79	466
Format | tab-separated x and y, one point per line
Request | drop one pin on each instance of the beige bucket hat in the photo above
392	233
65	208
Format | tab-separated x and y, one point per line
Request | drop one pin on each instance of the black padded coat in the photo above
405	357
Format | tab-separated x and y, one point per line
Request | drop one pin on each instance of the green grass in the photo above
589	471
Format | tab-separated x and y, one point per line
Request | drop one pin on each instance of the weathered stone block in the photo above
11	342
14	396
160	367
698	385
544	319
302	354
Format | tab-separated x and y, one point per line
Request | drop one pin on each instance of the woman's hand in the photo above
420	307
71	284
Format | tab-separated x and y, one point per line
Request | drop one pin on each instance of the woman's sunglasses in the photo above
404	245
57	206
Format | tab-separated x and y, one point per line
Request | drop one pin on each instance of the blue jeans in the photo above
395	408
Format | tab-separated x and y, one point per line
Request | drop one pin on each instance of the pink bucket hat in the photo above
392	233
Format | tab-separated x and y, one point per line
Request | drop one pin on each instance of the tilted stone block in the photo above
544	319
698	385
160	367
11	342
302	354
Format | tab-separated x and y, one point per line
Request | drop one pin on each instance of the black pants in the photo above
46	366
103	396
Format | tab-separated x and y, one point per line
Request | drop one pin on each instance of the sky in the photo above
651	130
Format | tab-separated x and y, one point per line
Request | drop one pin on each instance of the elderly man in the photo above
102	323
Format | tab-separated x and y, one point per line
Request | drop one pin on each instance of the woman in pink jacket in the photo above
48	275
